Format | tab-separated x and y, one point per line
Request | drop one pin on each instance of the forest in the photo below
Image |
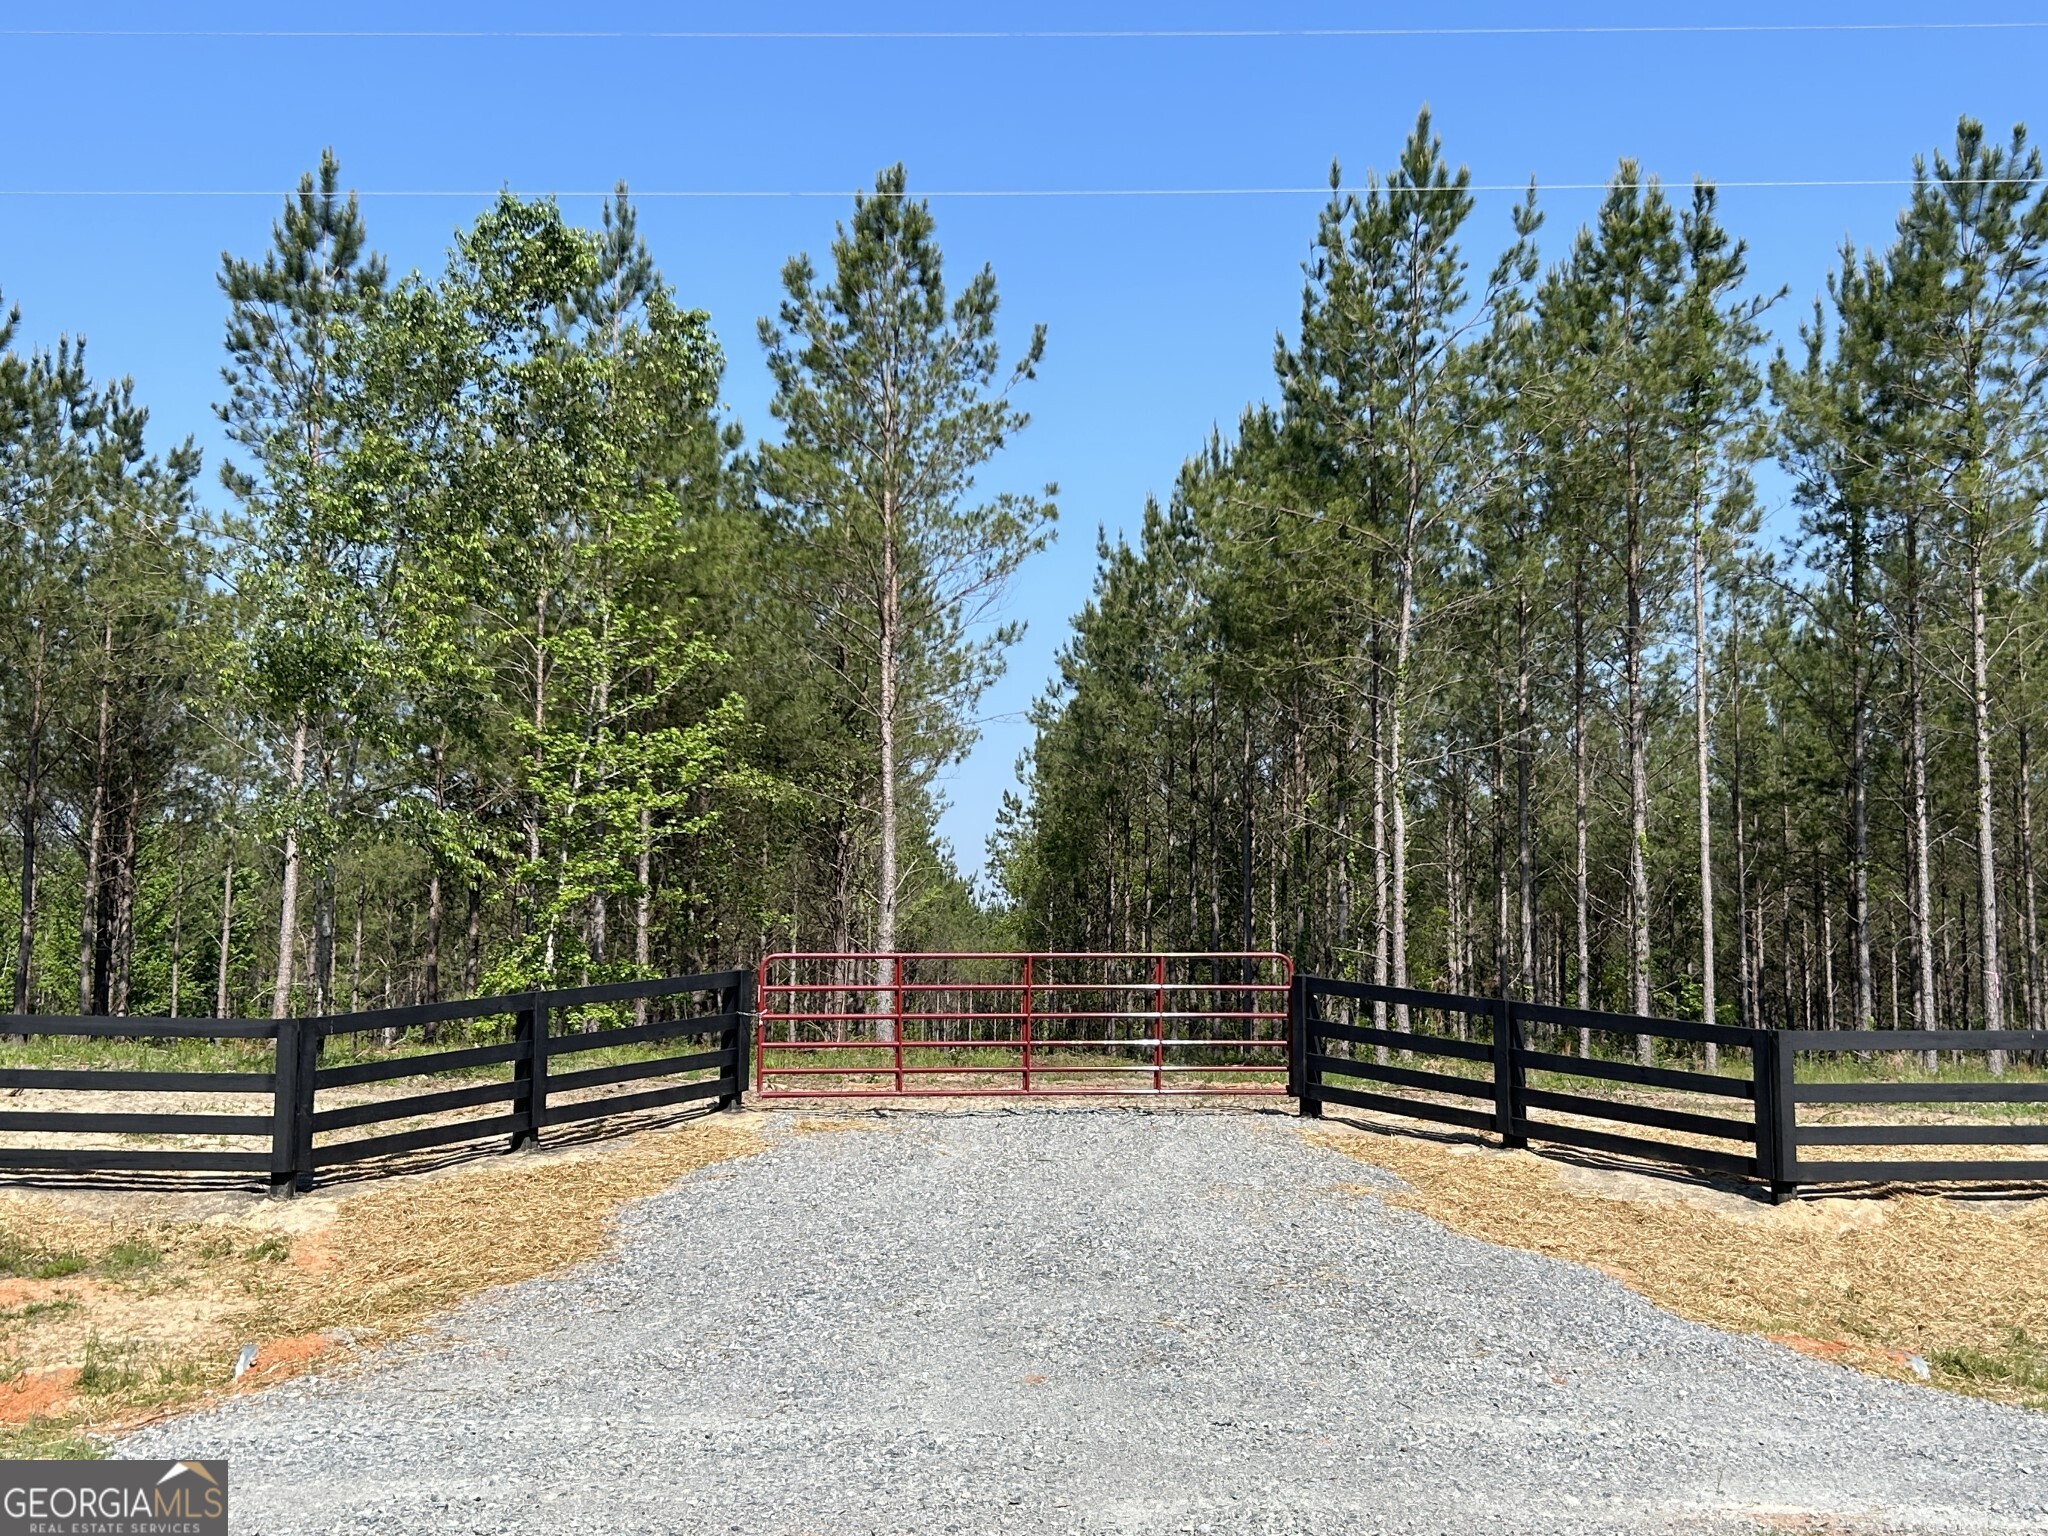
508	661
497	653
1468	663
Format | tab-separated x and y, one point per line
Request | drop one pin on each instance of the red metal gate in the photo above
990	1025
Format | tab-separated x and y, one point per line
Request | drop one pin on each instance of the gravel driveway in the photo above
1092	1320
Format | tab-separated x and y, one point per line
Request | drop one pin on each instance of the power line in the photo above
1322	189
1104	34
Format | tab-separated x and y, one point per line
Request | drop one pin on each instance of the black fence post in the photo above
284	1108
1302	1079
738	1002
530	1074
306	1082
1507	1073
1772	1068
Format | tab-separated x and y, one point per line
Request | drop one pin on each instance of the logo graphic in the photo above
113	1498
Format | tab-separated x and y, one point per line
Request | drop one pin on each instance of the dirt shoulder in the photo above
118	1306
1949	1288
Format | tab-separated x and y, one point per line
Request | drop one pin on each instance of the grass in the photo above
131	1256
1002	1064
343	1049
2016	1368
136	1055
1734	1067
57	1306
133	1374
46	1440
21	1259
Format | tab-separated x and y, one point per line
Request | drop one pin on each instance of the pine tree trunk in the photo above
1397	767
355	953
1785	903
1525	857
2031	936
432	984
1582	789
30	818
227	935
1987	859
1859	787
89	908
288	894
1827	951
1454	892
1244	843
1745	959
844	998
643	906
1382	914
473	946
1497	760
1921	838
1635	724
122	941
322	956
1705	787
890	617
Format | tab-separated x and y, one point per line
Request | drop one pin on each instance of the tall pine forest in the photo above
1467	662
1480	655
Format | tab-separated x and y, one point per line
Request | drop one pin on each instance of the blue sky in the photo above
1162	311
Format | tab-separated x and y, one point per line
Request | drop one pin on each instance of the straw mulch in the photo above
1879	1282
396	1255
304	1281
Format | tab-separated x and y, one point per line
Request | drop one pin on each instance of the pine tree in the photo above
283	408
889	398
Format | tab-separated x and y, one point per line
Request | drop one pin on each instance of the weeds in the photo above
122	1369
129	1257
2019	1365
42	1440
107	1368
19	1260
55	1307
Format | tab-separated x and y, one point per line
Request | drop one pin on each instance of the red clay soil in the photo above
36	1394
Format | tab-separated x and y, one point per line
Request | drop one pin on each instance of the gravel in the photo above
1091	1320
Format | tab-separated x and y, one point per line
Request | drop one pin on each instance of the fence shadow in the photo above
1576	1157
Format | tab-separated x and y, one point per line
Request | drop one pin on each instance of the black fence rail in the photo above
1986	1102
1504	1067
1732	1142
688	1041
254	1130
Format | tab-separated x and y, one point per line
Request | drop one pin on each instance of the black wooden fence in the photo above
702	1024
1521	1071
1469	1062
